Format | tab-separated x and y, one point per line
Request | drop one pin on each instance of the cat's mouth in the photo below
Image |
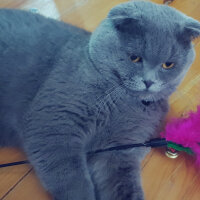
146	103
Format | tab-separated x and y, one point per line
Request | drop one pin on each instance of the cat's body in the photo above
62	94
29	45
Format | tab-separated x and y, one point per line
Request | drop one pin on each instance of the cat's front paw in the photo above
78	190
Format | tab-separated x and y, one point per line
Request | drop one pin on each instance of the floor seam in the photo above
13	187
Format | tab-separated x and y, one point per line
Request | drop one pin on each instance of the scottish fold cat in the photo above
65	91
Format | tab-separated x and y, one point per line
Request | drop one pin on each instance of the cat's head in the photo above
145	47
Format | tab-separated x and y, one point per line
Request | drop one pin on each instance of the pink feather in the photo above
186	132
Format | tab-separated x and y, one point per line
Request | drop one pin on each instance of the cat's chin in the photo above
148	97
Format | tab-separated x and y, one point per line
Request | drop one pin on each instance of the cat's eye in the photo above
135	59
168	65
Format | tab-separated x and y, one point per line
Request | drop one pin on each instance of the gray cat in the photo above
65	91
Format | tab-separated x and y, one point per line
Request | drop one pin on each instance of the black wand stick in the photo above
157	142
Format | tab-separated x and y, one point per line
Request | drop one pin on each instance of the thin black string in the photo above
14	163
157	142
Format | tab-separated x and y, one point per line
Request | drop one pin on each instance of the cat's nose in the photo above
148	83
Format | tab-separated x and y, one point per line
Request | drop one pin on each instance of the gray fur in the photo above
65	91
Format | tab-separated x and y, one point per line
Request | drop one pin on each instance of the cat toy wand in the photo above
157	142
179	135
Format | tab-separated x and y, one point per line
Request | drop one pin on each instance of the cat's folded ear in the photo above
191	30
124	20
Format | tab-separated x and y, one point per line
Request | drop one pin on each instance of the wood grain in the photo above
29	188
163	178
11	175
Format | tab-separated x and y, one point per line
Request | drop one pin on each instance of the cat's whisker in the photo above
113	89
110	89
104	101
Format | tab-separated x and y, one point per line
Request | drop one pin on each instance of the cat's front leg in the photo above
117	176
62	172
55	148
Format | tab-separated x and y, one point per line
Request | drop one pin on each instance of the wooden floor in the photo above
163	178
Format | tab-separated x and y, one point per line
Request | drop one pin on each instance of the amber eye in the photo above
168	65
135	58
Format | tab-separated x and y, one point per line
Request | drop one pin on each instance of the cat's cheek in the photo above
156	88
135	84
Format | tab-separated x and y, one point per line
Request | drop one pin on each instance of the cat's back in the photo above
29	46
27	38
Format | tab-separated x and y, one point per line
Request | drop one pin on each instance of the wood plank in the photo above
172	179
90	13
28	189
189	7
11	175
11	3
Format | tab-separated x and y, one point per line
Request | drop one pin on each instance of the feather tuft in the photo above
186	132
